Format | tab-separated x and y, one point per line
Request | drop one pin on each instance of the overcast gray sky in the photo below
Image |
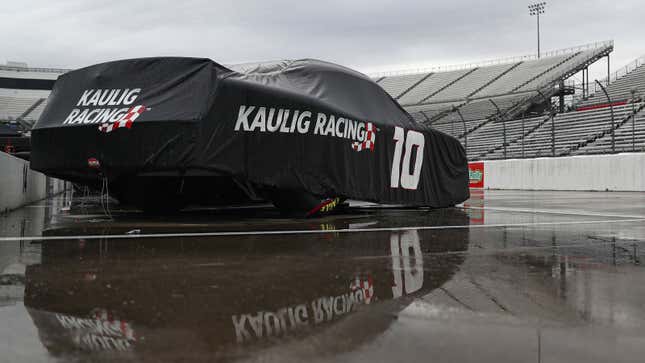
374	35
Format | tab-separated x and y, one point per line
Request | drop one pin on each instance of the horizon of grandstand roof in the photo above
371	36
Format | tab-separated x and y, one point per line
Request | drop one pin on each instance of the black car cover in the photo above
294	125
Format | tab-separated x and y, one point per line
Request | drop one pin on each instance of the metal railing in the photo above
625	122
625	70
614	76
32	69
492	62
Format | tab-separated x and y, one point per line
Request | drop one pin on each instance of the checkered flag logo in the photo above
126	121
370	139
366	286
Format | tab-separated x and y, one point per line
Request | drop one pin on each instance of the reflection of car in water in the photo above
229	296
160	133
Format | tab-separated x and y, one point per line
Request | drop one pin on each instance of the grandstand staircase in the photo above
443	113
512	111
516	140
472	129
603	133
31	108
413	85
448	84
545	71
428	121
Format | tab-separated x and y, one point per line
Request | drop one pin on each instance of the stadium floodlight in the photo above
535	10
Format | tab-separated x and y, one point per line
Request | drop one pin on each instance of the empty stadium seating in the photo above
620	89
485	108
14	107
561	69
487	138
475	81
561	135
19	100
520	75
630	136
571	133
395	86
513	85
431	85
490	98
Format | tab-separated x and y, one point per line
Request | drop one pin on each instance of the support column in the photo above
561	96
608	70
584	91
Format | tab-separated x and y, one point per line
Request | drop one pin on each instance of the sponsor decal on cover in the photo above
110	108
291	121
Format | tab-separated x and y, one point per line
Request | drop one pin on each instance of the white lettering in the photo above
131	96
70	118
83	100
260	120
270	126
243	117
240	330
303	122
321	119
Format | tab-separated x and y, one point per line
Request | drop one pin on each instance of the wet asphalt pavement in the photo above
509	277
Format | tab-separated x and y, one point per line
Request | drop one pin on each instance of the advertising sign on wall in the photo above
476	174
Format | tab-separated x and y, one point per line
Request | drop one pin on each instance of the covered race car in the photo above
165	132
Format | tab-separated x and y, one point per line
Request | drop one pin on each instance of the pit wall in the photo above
20	186
617	172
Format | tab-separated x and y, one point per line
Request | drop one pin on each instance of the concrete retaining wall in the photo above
618	172
19	185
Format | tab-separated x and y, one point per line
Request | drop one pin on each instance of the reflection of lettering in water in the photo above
407	263
265	324
102	332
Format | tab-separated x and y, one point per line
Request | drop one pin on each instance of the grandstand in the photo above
593	127
504	109
23	96
513	85
24	91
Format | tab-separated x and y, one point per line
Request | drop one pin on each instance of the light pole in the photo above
537	9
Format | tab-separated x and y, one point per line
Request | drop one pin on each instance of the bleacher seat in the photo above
569	129
431	85
14	107
635	127
620	89
466	86
396	85
520	75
